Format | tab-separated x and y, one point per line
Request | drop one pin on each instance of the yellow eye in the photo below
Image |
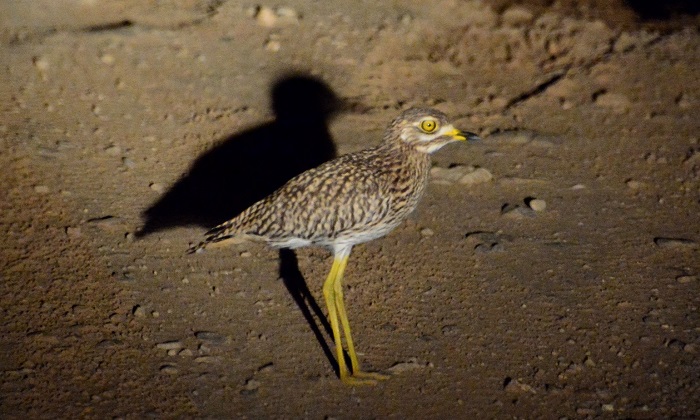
428	125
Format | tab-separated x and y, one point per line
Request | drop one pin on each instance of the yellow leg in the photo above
333	293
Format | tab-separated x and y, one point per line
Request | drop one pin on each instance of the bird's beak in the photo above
463	135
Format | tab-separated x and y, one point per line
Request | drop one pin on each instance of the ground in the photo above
560	279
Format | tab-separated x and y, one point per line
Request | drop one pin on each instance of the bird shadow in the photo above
248	166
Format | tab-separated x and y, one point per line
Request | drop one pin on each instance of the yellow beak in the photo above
462	135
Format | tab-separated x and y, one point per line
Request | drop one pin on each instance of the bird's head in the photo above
427	130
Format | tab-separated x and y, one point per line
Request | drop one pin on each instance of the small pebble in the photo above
206	359
128	163
450	330
113	150
537	204
516	212
73	232
170	345
273	45
41	63
686	279
41	189
267	367
427	232
400	367
157	187
169	369
287	15
513	386
210	337
266	17
669	243
478	176
585	411
107	59
185	353
614	101
251	387
517	15
635	185
246	254
138	311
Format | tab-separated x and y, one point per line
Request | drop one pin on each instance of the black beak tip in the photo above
471	136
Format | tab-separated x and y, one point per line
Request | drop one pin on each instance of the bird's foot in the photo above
363	378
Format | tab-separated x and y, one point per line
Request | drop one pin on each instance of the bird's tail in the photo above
223	234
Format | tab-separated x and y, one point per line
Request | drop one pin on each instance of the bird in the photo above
344	202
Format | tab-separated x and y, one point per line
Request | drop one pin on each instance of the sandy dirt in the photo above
551	271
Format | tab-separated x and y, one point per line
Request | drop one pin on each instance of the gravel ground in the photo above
551	271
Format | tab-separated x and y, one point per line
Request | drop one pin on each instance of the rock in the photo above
138	311
157	187
113	150
517	16
486	242
450	330
269	18
478	176
108	222
400	367
128	163
273	45
427	232
266	17
169	369
513	386
465	175
107	59
686	279
267	367
615	101
73	232
41	189
211	337
170	345
514	211
675	243
537	204
206	359
634	185
287	15
251	387
564	88
41	63
448	176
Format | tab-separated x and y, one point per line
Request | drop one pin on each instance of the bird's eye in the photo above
428	125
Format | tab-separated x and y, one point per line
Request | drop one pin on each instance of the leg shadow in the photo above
246	167
296	286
